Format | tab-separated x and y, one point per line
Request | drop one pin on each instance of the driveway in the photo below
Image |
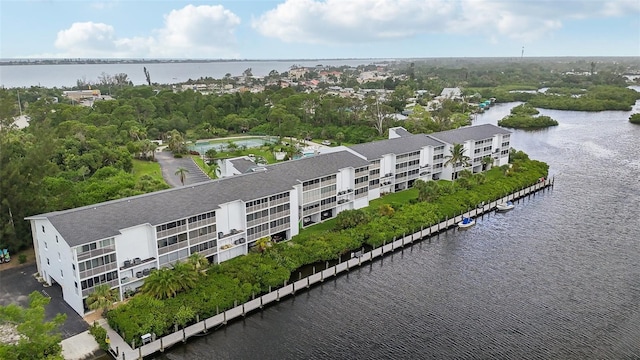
17	283
170	165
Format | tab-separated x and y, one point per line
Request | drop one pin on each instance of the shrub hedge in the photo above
237	280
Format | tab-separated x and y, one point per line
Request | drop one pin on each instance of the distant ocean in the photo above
163	73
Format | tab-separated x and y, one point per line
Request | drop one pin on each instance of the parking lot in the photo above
17	283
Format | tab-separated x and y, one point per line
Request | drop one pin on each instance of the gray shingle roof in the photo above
460	135
376	149
402	132
94	222
243	165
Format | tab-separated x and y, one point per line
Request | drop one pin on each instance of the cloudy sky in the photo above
301	29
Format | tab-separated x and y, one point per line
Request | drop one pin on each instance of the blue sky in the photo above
306	29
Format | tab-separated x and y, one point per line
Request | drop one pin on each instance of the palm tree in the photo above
466	174
186	275
427	190
457	158
161	284
480	178
263	243
487	163
339	137
213	170
198	263
182	174
102	297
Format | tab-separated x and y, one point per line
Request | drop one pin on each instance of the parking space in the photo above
17	283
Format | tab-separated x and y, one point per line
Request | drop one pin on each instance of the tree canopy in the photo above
39	339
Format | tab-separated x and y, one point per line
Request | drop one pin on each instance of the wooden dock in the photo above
124	351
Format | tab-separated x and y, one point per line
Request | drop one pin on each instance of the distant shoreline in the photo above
88	61
159	61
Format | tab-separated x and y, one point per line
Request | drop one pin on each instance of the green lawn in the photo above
151	168
198	160
402	197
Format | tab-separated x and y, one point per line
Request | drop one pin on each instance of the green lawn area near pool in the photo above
151	168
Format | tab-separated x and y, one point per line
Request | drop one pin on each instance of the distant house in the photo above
297	73
79	95
451	93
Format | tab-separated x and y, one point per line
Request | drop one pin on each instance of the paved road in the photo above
17	283
169	165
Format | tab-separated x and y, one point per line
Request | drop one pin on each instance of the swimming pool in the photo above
221	145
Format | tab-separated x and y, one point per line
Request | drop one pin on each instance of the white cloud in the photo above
191	32
86	37
197	31
352	21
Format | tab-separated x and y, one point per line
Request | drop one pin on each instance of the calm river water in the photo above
556	278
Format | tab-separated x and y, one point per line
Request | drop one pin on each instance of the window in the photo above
42	228
61	273
45	246
73	266
56	238
48	261
59	257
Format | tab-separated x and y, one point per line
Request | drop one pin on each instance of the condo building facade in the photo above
120	242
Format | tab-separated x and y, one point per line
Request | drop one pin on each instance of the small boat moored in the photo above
466	222
505	206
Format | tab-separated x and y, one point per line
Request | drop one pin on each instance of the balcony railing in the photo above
98	270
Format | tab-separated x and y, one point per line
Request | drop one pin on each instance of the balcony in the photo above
231	240
95	253
135	262
231	232
232	244
98	270
138	275
88	291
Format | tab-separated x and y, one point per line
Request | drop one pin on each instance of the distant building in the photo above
451	93
79	95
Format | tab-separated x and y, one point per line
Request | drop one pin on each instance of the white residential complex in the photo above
119	242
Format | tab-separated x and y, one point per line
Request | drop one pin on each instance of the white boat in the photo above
466	222
505	206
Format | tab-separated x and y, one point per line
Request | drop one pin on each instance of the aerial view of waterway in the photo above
558	277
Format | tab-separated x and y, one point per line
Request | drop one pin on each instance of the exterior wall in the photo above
503	143
345	179
57	262
231	225
447	171
360	203
231	216
137	242
374	194
227	169
294	203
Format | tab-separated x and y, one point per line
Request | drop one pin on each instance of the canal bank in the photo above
153	345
